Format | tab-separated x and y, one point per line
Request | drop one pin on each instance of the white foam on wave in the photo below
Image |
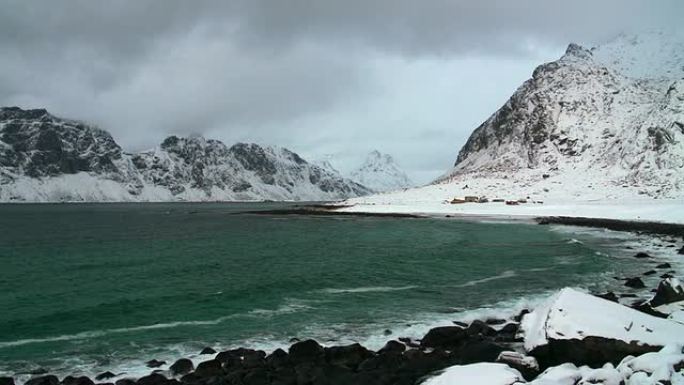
368	289
505	274
291	306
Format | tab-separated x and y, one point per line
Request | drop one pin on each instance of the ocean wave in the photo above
284	309
368	289
505	274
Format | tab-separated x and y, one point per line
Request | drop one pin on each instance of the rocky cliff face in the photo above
45	158
601	114
380	173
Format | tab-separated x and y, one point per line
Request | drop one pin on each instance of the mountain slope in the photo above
587	117
380	173
45	158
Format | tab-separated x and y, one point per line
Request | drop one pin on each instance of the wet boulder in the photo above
349	356
82	380
6	381
641	255
43	380
182	366
278	358
668	291
208	350
306	351
125	381
105	376
393	346
479	328
610	296
635	283
664	266
152	379
210	368
479	350
155	363
444	337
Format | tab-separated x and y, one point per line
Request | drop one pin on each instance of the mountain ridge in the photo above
46	158
381	173
579	116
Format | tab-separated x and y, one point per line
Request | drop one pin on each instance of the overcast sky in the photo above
323	78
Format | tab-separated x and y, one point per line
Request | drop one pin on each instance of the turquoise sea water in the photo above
94	287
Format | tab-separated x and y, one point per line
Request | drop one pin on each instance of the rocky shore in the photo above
571	333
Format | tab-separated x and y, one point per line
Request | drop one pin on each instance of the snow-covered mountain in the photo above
46	158
380	173
607	120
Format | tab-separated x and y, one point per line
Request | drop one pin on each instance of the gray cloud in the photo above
322	77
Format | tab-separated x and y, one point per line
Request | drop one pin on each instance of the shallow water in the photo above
85	288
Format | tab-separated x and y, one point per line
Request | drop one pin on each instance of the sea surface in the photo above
86	288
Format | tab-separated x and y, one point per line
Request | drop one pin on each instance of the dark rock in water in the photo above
527	366
520	316
306	351
278	358
479	351
210	368
664	266
650	272
152	379
125	381
628	295
418	363
591	351
393	347
642	255
105	376
645	307
635	283
388	361
155	363
349	356
666	276
409	342
182	366
610	296
444	337
387	332
208	350
83	380
508	333
255	359
6	381
43	380
667	293
681	251
460	323
495	321
478	327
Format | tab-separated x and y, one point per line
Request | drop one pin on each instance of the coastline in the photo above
510	341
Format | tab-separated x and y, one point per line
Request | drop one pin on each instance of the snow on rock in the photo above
578	327
597	129
381	173
44	158
483	373
669	290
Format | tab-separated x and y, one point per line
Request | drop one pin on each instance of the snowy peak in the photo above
587	116
45	158
380	173
651	55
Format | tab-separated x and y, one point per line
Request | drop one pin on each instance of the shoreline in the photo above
488	330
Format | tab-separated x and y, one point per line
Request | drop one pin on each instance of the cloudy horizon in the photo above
324	79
